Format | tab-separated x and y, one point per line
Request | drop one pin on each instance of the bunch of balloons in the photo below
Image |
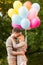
24	15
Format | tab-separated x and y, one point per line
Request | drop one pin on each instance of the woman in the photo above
21	46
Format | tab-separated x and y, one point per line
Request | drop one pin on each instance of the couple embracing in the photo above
16	48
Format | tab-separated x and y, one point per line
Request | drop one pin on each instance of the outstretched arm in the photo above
21	44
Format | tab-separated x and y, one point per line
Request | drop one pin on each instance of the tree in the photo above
35	36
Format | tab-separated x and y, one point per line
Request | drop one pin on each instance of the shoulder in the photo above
8	41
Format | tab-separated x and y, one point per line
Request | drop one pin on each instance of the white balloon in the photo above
23	12
25	23
36	6
32	13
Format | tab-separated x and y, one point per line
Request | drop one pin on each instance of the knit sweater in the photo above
10	47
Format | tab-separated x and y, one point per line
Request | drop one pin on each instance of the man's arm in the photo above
17	53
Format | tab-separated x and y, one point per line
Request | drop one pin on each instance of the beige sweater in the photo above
21	59
10	47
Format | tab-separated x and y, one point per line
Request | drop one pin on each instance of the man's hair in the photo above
16	30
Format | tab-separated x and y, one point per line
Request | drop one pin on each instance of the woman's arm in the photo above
21	41
21	44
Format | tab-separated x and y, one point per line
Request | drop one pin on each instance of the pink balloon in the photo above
32	14
35	23
16	26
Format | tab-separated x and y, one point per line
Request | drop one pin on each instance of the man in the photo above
11	51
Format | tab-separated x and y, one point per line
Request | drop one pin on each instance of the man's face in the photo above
17	34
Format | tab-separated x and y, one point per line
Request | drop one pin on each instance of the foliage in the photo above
35	36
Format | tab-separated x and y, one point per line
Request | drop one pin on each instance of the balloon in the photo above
32	14
28	4
17	5
35	23
16	19
23	12
25	23
36	6
10	12
16	26
15	11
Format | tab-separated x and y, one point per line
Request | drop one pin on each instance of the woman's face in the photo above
21	38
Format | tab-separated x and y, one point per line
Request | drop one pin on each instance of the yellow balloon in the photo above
17	5
11	12
15	11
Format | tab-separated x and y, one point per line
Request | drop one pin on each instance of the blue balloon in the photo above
16	19
23	12
25	23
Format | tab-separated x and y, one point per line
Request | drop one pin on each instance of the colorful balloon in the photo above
16	19
36	6
17	5
11	12
23	12
15	11
16	26
35	23
28	5
24	16
25	23
32	14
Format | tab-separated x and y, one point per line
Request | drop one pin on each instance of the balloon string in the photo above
25	36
